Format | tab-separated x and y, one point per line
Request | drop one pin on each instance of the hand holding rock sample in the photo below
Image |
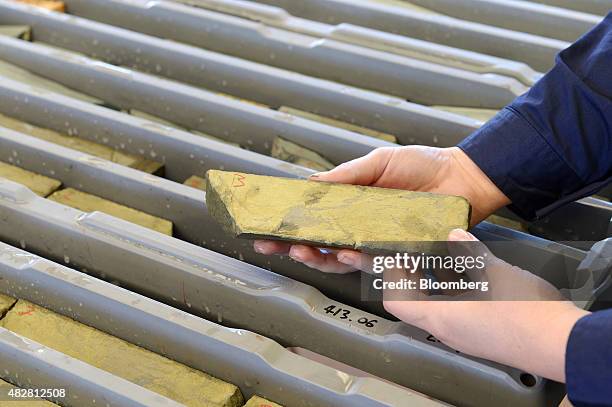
332	215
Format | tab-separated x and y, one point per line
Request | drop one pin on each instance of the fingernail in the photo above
258	247
317	174
460	235
296	256
346	259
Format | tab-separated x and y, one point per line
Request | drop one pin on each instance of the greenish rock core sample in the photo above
89	203
51	5
333	215
140	366
22	32
5	304
82	145
295	154
39	184
196	182
257	401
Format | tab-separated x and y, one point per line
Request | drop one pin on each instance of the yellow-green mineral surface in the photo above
138	365
294	153
89	203
22	32
257	401
196	182
332	215
39	184
5	304
82	145
52	5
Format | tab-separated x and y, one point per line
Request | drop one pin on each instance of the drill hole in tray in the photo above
528	380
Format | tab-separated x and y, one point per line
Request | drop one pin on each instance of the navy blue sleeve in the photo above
553	144
588	361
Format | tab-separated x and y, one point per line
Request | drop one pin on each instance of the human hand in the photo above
416	168
523	321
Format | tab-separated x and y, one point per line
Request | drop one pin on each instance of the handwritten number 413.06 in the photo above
342	313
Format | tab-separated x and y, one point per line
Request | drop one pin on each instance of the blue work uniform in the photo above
551	146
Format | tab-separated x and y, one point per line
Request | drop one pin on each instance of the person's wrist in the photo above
484	196
547	347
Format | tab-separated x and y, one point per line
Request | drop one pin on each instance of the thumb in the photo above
460	235
467	243
361	171
506	282
463	245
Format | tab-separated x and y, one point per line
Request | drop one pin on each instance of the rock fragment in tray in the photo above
39	184
154	372
295	154
22	32
257	401
51	5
